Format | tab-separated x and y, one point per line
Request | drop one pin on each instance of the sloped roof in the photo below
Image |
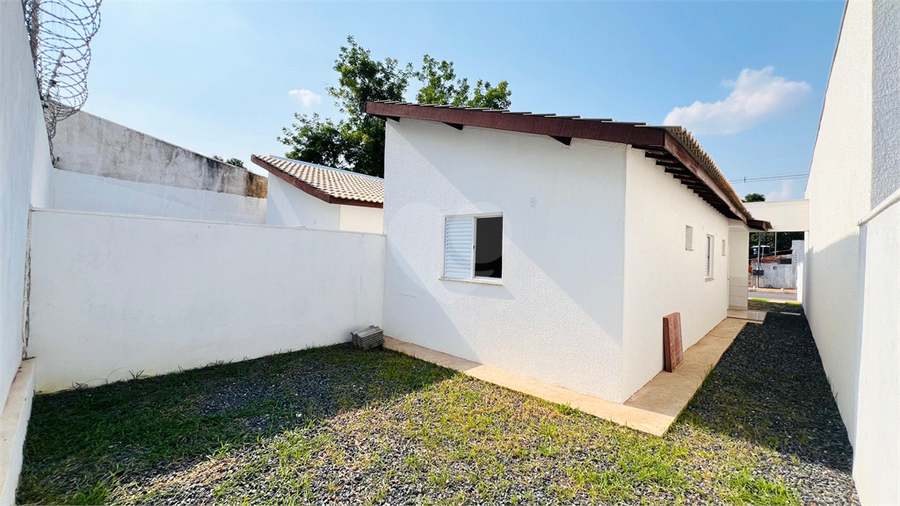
334	186
673	147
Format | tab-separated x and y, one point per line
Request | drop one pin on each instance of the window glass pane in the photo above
489	247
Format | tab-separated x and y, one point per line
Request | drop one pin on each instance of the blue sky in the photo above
217	77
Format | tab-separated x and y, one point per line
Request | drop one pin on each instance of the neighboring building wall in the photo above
853	256
292	207
839	195
130	172
661	276
362	219
557	317
129	294
83	192
783	215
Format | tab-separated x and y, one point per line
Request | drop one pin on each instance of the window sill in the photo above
710	279
477	281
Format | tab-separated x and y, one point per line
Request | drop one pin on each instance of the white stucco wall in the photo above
24	164
75	191
557	317
661	276
784	215
877	444
289	206
853	265
838	192
362	219
129	294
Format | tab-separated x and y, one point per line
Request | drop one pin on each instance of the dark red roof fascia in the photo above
531	124
641	137
310	189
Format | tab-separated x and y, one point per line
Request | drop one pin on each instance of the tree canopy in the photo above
357	142
754	197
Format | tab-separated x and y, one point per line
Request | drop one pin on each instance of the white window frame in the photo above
689	238
710	256
472	277
723	247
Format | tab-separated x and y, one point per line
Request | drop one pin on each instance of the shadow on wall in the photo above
831	299
770	388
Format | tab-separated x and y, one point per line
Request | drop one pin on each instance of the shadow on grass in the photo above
81	440
770	389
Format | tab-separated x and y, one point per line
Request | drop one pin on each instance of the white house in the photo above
304	194
852	292
552	247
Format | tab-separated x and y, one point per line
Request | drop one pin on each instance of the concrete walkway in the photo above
652	409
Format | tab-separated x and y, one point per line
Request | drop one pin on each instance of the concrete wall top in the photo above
784	215
92	145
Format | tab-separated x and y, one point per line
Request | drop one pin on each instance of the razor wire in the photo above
60	33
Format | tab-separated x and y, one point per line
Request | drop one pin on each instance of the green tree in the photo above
754	197
441	86
316	141
357	142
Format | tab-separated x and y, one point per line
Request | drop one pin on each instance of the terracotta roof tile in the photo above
336	183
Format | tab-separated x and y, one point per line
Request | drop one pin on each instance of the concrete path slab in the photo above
753	316
652	409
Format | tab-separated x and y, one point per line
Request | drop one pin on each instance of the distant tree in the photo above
754	197
357	142
237	162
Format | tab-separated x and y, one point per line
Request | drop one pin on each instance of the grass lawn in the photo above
339	425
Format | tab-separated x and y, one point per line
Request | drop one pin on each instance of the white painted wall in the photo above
362	219
289	206
557	317
852	286
661	276
877	444
784	215
24	165
75	191
738	247
838	192
150	294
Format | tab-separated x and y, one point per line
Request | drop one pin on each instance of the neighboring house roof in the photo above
334	186
673	147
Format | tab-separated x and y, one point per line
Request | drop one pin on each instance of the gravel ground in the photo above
341	426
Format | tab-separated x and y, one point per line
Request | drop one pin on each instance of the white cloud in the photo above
306	97
757	96
784	194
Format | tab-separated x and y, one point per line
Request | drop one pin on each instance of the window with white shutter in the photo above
473	247
459	242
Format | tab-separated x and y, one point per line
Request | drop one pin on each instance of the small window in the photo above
723	247
688	237
710	245
473	247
